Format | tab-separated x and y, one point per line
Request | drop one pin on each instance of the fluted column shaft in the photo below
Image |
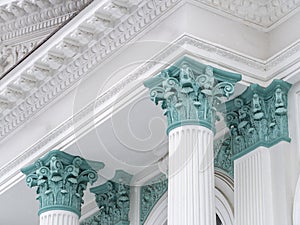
59	217
253	188
191	176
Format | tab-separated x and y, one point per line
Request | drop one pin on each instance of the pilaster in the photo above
258	117
258	123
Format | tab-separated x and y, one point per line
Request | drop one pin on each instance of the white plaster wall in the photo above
284	35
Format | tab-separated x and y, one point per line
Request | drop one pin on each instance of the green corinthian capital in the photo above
190	92
60	179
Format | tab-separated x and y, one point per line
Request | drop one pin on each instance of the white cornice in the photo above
26	17
264	15
25	24
35	83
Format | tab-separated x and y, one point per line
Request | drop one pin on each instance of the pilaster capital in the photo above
60	179
113	200
189	92
150	195
258	117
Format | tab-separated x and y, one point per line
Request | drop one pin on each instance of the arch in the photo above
223	200
159	213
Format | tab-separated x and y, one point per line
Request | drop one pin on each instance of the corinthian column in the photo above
60	179
189	94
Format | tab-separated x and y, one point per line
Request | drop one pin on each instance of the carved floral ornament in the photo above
258	117
262	13
113	200
61	179
149	196
190	92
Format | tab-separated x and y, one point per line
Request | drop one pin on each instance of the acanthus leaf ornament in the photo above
60	179
150	195
113	200
190	92
258	117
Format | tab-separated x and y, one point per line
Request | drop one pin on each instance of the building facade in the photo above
178	112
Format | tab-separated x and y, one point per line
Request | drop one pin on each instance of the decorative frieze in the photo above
189	92
10	55
57	70
24	24
261	14
113	200
258	117
21	18
60	179
149	196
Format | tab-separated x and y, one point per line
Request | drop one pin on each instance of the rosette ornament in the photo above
190	92
61	179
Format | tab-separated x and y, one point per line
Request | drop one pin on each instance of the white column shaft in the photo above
191	199
253	188
59	217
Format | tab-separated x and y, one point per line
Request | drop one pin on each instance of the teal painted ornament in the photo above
190	92
61	179
258	117
149	196
113	200
223	155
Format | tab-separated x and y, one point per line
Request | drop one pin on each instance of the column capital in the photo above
258	117
60	179
113	200
150	195
189	92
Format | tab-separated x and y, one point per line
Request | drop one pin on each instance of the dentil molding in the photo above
261	14
23	17
25	24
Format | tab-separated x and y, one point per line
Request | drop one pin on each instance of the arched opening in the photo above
223	199
219	222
